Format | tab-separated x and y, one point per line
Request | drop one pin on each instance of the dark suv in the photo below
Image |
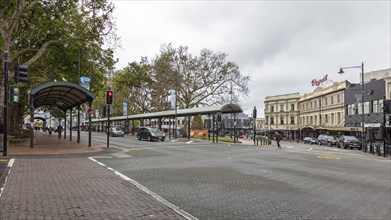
328	140
349	142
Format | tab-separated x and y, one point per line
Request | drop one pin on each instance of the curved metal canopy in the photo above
225	109
64	95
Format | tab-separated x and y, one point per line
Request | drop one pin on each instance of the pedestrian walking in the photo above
278	139
59	131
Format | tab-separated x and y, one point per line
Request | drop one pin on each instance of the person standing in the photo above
278	139
59	131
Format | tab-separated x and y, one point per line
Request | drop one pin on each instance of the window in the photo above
292	120
377	106
359	108
292	107
281	108
316	104
272	108
267	119
332	99
272	120
326	119
366	107
338	99
339	118
325	101
282	120
332	119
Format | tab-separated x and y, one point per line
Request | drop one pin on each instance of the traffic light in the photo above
255	112
104	111
109	97
219	117
21	73
15	94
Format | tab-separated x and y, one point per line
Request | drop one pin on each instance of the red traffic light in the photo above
109	97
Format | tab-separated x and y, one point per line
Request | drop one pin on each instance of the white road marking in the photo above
153	194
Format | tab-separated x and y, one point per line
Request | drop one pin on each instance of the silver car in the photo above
116	132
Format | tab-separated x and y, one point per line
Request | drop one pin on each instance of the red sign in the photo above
315	82
90	111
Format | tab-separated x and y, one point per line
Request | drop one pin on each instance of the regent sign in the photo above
315	82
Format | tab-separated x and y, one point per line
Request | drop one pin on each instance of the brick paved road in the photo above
74	188
223	181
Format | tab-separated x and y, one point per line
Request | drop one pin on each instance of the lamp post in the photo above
254	121
341	71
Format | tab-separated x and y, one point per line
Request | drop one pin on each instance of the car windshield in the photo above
116	129
351	138
155	130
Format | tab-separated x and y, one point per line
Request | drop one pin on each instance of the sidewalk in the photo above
45	183
50	144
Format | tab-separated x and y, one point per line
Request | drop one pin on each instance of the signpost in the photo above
90	111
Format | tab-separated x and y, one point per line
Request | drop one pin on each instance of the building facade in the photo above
282	114
322	110
374	96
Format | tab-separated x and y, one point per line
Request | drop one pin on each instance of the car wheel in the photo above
138	137
149	138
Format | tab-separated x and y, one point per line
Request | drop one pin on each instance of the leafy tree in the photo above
197	123
206	79
134	85
48	36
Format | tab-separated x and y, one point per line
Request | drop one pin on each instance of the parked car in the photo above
150	134
116	132
328	140
349	142
310	140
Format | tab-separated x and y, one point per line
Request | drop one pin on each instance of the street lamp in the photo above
362	97
254	120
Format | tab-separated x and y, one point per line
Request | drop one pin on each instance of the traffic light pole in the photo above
108	125
5	112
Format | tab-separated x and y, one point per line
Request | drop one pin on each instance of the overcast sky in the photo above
282	45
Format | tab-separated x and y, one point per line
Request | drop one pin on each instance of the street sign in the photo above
90	111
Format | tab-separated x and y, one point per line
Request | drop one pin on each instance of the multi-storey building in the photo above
334	109
322	110
377	74
282	114
374	96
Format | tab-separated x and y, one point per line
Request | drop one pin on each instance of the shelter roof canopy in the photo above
64	95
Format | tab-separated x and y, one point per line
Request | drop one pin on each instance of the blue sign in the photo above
85	82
